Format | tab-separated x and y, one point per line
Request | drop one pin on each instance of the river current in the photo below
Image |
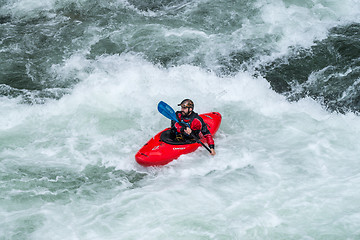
80	81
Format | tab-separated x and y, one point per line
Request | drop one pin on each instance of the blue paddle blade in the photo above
167	111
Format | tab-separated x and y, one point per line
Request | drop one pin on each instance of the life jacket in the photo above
197	125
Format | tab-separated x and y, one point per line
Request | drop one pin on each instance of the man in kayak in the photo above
196	123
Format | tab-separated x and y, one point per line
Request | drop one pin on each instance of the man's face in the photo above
184	111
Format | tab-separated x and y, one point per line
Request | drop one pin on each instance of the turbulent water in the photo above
79	84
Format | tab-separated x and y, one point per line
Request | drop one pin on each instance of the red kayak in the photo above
161	149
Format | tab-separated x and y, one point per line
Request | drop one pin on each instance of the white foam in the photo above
277	167
297	25
118	99
273	156
27	8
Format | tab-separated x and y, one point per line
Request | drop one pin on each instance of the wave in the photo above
277	40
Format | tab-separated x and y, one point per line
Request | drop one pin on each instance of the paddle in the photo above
168	112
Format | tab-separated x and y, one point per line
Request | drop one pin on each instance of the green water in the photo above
79	86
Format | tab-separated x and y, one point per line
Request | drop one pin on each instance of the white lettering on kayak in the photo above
156	147
179	148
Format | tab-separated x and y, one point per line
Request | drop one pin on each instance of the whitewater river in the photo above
80	81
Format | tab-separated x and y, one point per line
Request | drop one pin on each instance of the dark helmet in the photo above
187	103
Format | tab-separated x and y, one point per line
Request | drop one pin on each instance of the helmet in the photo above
187	103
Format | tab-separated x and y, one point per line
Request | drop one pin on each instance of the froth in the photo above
300	24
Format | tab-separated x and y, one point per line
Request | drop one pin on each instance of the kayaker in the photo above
196	123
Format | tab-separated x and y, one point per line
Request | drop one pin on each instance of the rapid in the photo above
80	81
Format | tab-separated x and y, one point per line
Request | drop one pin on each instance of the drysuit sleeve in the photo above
199	125
177	126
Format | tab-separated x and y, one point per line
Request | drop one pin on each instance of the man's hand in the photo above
212	151
188	131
